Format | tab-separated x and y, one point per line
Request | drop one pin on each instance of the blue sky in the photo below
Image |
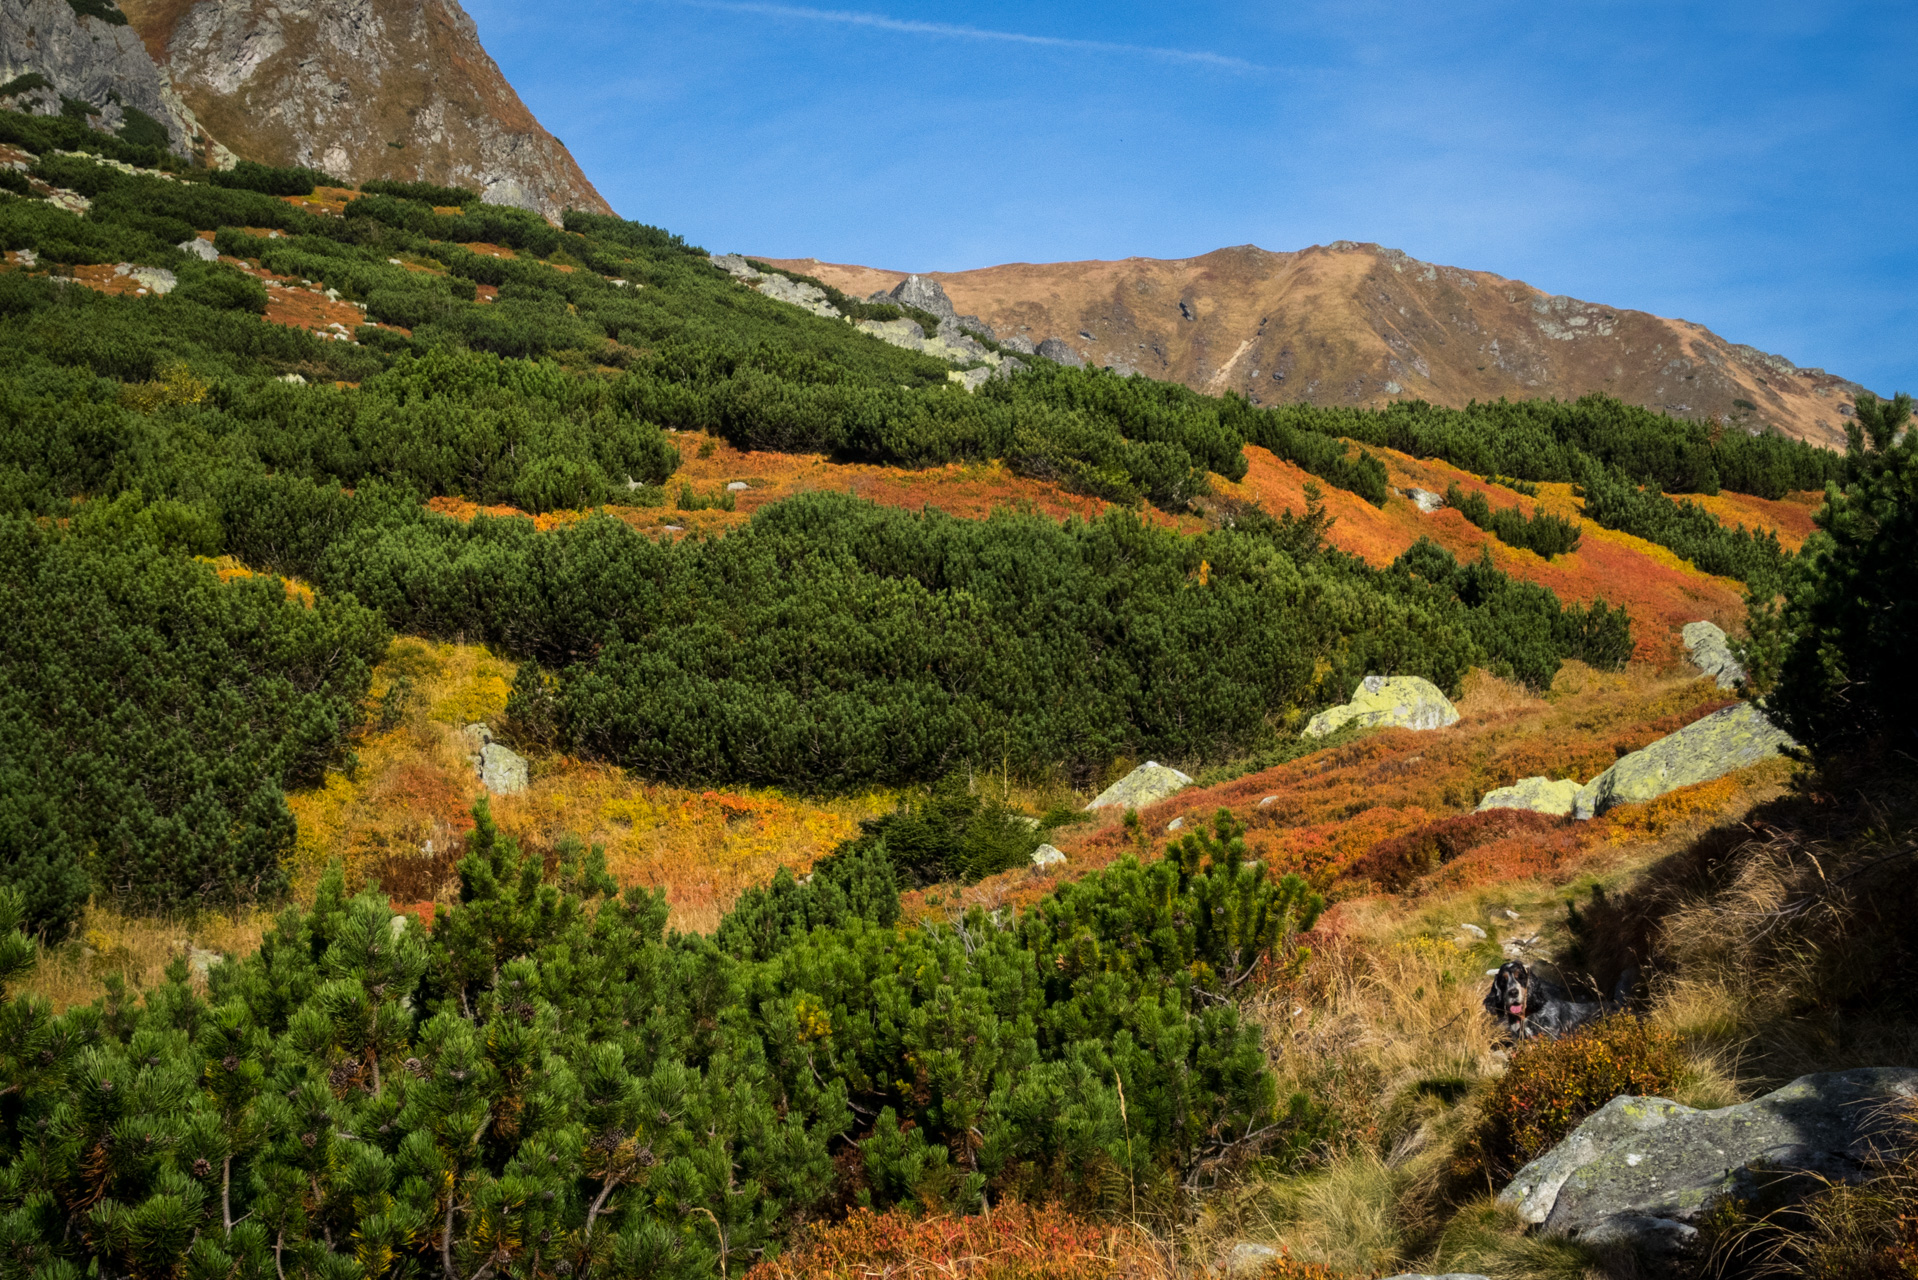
1751	166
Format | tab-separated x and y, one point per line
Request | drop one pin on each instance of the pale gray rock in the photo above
200	963
1643	1171
735	265
1017	345
971	379
1246	1258
503	771
1539	795
1148	784
926	295
738	486
804	296
1426	501
1175	824
1047	856
1058	352
1008	366
155	280
1404	702
1711	652
100	63
201	249
1723	741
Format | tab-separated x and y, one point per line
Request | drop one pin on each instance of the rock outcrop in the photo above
54	53
1148	784
1643	1171
502	771
1047	856
1711	652
360	89
1734	738
1539	795
1384	702
1363	325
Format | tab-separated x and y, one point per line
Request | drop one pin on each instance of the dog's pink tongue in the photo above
1518	1010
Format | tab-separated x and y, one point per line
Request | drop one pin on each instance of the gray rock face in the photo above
1055	350
1734	738
502	770
100	63
806	297
1710	652
1644	1170
1148	784
1405	702
1540	795
1023	346
927	295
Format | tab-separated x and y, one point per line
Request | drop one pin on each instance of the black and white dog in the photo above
1525	1004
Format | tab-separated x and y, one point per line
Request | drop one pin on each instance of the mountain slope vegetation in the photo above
217	522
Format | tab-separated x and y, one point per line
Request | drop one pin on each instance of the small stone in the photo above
1268	802
293	378
1474	930
1047	856
1247	1257
738	486
1175	824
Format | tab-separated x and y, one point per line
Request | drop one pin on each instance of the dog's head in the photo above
1510	998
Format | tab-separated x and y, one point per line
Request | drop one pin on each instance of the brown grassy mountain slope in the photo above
362	89
1356	324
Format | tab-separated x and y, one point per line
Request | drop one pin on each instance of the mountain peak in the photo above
398	89
1361	324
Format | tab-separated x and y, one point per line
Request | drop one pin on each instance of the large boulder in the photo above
1057	351
502	771
1404	702
1148	784
1540	795
1734	738
926	295
1711	652
1643	1171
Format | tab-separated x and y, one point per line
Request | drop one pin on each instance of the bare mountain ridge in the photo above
1357	324
363	89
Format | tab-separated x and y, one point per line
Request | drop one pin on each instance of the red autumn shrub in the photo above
1394	864
1551	1085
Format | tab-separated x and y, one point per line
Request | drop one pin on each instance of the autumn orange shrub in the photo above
1396	863
1551	1085
1013	1243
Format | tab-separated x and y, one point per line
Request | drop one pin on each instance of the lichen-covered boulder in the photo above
1734	738
1711	652
1384	702
1540	795
1047	856
503	771
1148	784
1643	1171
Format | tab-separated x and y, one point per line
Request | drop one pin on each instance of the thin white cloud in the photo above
880	22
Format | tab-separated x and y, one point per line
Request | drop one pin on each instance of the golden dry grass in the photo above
400	817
